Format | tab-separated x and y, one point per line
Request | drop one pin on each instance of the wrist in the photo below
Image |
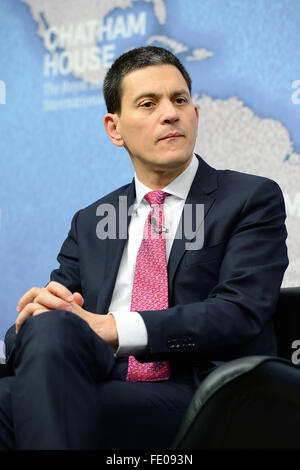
114	338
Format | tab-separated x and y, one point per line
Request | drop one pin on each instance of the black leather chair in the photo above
252	402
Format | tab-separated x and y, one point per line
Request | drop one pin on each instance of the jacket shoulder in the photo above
245	182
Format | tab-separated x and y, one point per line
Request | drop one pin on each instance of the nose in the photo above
169	113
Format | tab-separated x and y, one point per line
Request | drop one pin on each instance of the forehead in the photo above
152	79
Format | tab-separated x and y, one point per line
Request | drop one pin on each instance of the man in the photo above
85	379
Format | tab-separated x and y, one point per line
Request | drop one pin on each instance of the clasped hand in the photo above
55	296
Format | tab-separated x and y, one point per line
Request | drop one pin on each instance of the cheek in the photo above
133	128
194	127
138	139
140	134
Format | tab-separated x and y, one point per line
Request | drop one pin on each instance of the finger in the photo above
27	311
51	301
27	298
60	291
38	311
78	299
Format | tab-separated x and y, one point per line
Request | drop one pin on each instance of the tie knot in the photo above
156	197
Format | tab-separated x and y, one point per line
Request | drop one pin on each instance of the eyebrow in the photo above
159	95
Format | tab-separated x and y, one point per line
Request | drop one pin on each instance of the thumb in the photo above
78	310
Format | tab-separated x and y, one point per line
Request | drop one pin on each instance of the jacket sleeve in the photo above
68	273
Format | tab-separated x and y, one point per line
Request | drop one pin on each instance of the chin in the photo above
175	161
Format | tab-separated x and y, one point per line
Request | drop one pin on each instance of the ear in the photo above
110	122
197	116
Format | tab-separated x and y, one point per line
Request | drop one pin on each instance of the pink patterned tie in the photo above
150	284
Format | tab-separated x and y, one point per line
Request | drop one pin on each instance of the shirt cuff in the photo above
132	333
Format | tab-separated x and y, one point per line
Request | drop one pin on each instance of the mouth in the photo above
171	135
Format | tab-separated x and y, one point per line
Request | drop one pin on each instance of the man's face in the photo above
158	121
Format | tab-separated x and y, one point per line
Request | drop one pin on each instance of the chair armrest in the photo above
248	403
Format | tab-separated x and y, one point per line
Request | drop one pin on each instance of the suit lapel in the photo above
202	192
112	250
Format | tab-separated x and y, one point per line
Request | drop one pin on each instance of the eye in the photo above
147	104
181	100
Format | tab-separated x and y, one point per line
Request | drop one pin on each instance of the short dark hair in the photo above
134	59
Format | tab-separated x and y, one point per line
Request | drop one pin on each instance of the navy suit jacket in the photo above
222	297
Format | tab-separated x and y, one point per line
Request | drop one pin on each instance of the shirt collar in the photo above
179	187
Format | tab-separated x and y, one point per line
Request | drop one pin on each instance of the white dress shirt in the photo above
131	328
